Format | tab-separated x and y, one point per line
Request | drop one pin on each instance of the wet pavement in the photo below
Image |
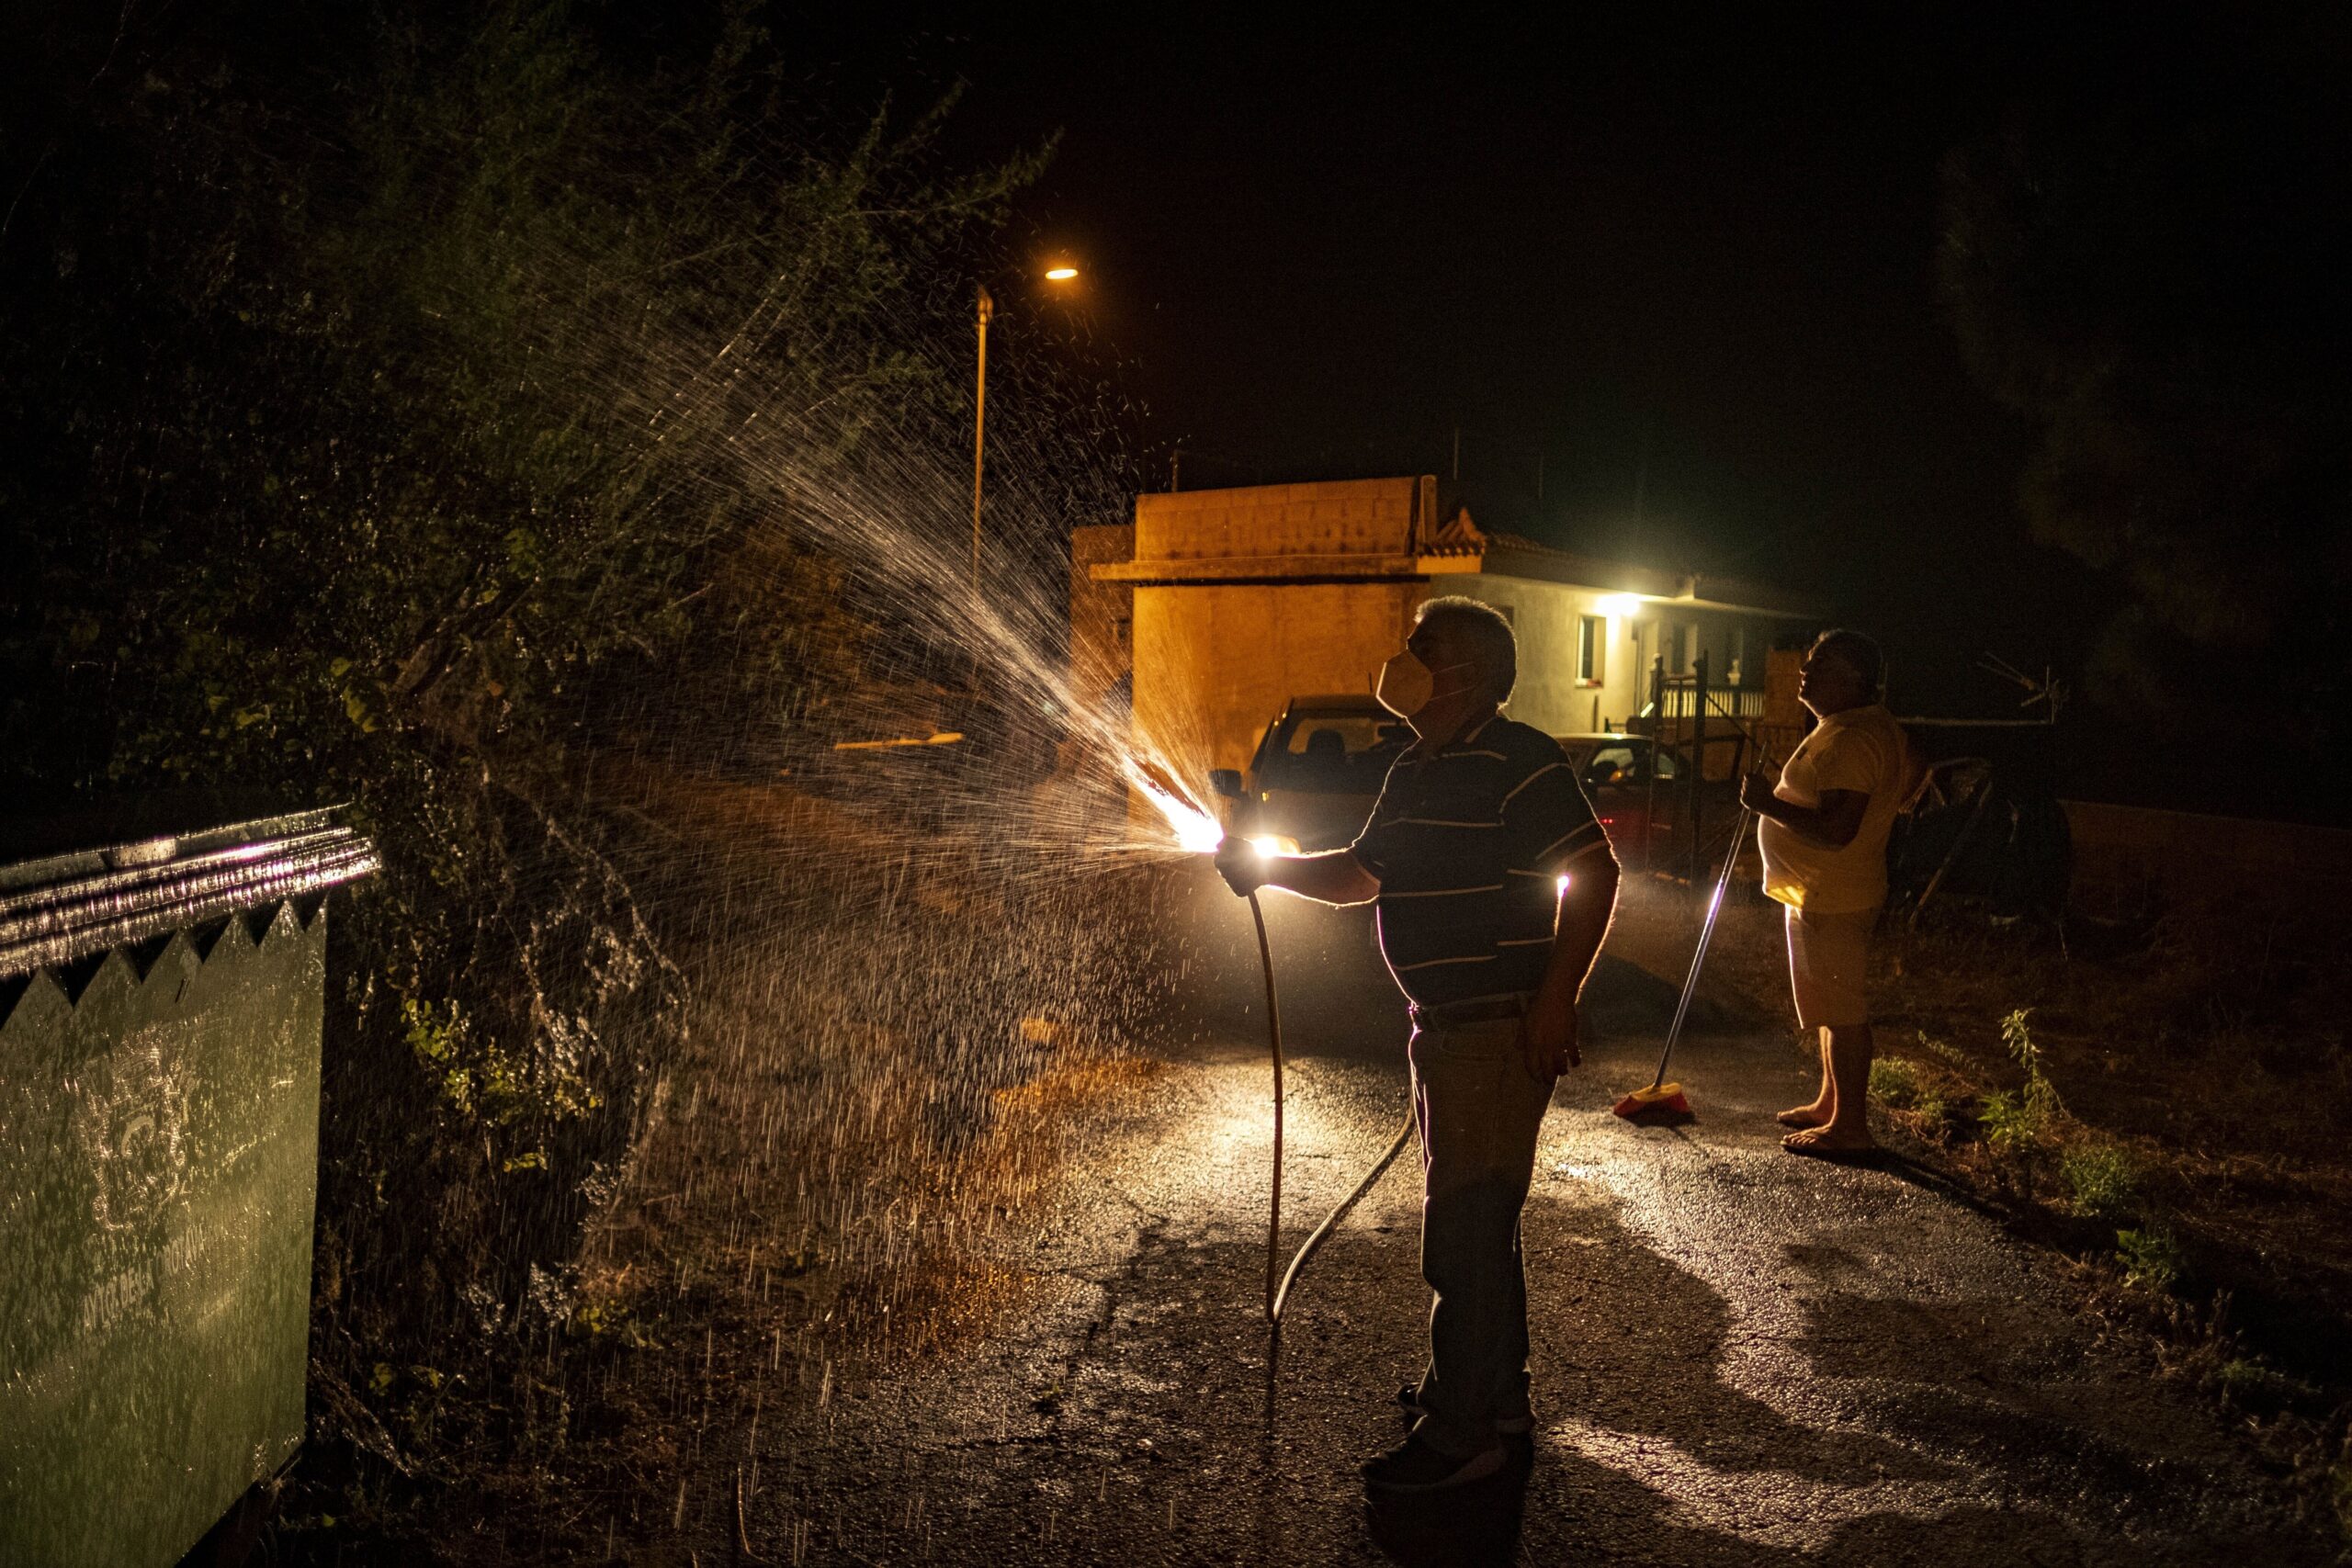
1739	1357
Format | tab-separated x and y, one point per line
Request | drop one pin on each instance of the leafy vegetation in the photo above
2015	1121
2152	1258
1900	1085
1894	1081
2250	1384
2136	259
2104	1179
349	370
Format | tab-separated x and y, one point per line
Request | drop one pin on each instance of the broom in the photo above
1662	1099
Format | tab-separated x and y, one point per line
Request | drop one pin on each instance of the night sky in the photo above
1678	266
1682	265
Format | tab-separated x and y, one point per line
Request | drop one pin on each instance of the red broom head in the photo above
1665	1099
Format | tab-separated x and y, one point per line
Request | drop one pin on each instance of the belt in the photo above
1479	1010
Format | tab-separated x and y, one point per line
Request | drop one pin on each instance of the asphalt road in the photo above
1740	1357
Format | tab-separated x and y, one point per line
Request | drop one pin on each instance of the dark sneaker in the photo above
1408	1400
1414	1466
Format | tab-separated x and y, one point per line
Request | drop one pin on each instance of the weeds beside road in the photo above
2163	1091
849	1189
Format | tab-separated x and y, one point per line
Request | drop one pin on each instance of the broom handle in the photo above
1699	955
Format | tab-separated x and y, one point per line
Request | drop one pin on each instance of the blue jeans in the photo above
1478	1110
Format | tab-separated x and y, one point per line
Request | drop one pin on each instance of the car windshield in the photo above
1612	764
1336	753
1602	760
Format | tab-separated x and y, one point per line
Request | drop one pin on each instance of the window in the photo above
1341	753
1619	764
1592	643
1350	732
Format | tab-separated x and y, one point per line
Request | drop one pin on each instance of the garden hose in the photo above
1278	1287
1274	1046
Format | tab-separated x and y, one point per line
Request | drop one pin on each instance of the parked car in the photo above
1316	772
1321	762
1616	769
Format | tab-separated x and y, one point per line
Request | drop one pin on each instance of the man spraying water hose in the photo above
1495	887
1823	832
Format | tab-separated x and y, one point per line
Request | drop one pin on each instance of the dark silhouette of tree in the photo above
2146	258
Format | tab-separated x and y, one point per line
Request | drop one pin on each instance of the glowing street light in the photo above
1618	606
1059	273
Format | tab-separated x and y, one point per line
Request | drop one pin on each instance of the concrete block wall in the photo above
1102	615
1215	662
1340	517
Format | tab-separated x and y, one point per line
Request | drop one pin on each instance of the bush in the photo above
1894	1082
2253	1386
2151	1259
1943	1050
1898	1085
2011	1124
2014	1121
2040	1097
2103	1178
344	363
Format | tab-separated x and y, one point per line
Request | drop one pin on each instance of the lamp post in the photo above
1059	273
979	430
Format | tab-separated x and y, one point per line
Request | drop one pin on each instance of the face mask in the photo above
1404	685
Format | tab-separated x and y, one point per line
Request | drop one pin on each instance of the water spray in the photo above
1199	831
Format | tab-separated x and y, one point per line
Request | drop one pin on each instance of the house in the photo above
1220	605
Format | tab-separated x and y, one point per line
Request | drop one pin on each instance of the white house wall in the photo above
1544	615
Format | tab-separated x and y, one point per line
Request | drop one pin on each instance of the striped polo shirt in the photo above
1469	840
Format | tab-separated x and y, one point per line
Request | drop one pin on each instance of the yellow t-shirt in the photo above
1863	750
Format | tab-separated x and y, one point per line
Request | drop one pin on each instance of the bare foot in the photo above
1829	1139
1812	1115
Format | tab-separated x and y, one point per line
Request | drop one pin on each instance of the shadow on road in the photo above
1470	1527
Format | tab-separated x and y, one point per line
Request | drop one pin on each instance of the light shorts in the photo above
1830	967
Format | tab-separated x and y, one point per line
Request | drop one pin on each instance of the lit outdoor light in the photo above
1618	606
1564	885
1060	274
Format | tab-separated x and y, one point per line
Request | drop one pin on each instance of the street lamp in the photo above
1060	272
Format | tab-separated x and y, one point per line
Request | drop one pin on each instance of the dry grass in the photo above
846	1168
2193	1142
